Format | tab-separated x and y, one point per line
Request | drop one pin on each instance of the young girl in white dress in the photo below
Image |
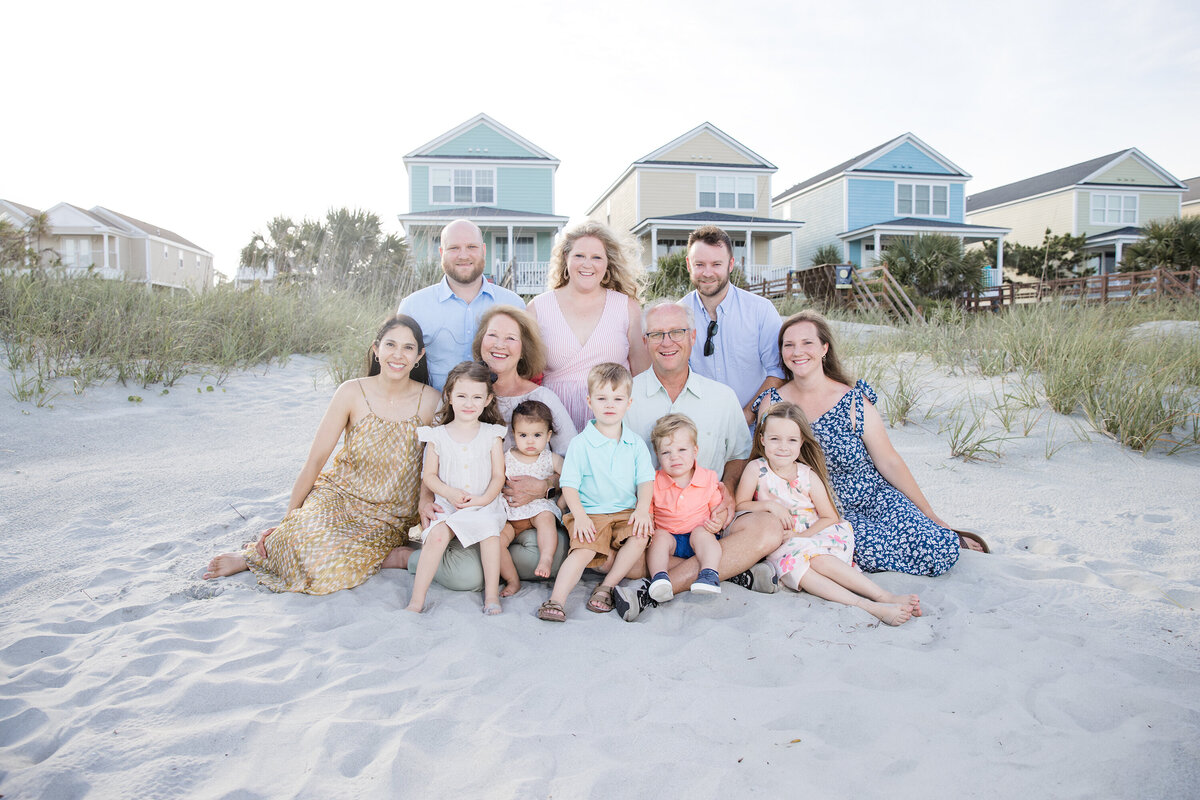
787	477
464	468
532	426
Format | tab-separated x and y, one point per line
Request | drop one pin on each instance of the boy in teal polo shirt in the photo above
607	481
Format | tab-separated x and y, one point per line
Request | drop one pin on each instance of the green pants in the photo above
462	571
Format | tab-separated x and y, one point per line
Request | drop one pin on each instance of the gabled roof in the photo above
714	217
425	150
916	223
1193	192
477	212
145	228
706	127
1059	179
90	216
28	211
1115	233
862	159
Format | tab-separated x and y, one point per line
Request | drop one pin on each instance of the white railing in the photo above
764	272
528	277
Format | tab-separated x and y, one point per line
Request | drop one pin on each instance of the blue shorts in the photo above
683	545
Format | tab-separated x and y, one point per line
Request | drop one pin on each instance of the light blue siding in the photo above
483	141
856	252
871	201
956	202
545	242
525	189
907	157
418	188
820	210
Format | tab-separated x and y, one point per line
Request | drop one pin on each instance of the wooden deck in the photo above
1114	287
873	290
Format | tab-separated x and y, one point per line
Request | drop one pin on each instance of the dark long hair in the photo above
469	371
420	370
831	365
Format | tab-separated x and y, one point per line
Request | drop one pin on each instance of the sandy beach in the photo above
1065	664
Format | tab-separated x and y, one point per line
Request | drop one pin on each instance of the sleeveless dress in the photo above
357	511
568	362
791	559
467	466
891	534
541	469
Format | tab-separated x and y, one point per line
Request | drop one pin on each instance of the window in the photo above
922	200
725	191
525	249
76	251
1114	209
668	246
462	186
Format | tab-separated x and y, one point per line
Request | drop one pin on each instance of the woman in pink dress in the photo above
590	315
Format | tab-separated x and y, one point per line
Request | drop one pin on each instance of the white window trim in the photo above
1137	208
896	199
736	176
474	168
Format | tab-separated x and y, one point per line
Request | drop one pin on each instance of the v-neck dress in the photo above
568	362
890	532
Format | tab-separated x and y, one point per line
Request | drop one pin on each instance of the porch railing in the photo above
1112	287
523	277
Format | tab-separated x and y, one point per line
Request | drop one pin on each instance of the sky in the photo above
209	119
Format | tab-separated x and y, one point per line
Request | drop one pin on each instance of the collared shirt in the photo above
747	341
448	323
711	405
682	509
606	472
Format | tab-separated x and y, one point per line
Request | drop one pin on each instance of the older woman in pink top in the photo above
590	315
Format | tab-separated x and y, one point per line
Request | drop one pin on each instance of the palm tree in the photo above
935	265
1170	243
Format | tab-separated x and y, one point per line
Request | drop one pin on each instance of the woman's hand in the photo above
429	512
261	545
521	490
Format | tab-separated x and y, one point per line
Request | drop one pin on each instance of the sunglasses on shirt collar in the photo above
710	346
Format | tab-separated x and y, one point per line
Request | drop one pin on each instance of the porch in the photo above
864	246
752	237
1105	250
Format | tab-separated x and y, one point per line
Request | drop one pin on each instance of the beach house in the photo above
703	177
1106	199
487	173
1189	203
903	187
112	245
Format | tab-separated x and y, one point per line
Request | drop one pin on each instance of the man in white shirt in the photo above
739	330
670	385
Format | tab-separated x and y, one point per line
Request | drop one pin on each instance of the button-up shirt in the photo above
746	342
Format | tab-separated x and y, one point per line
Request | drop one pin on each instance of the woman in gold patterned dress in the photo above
343	524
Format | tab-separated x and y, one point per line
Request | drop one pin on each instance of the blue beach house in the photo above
502	182
903	187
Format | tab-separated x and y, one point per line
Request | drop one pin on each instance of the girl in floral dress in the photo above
786	477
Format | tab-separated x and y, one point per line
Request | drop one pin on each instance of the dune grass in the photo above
1088	363
89	330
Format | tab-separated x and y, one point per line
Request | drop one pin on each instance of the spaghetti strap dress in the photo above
568	361
357	511
890	532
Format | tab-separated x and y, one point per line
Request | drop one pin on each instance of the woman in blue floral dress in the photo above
895	528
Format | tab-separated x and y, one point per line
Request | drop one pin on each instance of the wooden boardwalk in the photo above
1111	288
873	290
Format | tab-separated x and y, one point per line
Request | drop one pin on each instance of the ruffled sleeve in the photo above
427	433
499	431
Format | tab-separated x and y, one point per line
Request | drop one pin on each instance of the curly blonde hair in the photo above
623	274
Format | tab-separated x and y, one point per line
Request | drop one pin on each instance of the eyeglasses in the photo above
710	346
675	335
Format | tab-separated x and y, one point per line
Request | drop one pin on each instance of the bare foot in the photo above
970	544
910	601
397	558
414	609
492	609
225	564
543	568
887	613
511	588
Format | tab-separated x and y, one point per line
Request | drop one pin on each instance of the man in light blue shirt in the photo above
739	331
448	312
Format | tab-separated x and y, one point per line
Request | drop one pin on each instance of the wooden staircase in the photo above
873	290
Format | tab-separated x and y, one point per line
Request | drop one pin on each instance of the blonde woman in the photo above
590	315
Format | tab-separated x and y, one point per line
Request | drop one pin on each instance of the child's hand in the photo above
584	528
781	513
641	522
459	498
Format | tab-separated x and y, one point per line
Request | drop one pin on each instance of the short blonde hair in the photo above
669	425
623	273
609	374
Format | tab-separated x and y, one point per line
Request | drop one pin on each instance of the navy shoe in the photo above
707	582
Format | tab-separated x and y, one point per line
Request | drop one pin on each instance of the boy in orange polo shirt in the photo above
685	498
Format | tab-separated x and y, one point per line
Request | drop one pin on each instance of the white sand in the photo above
1063	665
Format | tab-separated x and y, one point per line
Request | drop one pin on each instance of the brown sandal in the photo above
552	612
965	536
601	600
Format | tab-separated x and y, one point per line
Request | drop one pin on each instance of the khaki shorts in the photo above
611	532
